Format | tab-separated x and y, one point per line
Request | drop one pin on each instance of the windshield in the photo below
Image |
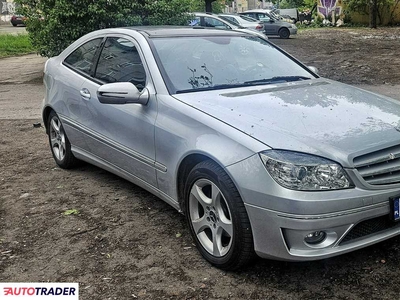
248	19
213	62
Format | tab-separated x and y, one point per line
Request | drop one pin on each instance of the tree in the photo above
373	12
209	5
215	6
53	24
376	9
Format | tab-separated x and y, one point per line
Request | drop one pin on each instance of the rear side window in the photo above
211	22
82	58
120	62
230	19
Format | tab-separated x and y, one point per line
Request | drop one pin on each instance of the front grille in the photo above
368	227
380	167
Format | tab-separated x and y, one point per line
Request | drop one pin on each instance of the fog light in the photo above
315	237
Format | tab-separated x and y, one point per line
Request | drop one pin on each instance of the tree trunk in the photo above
208	5
373	7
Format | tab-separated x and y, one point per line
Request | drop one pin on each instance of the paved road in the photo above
9	29
21	87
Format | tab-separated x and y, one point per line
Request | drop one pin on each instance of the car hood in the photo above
316	116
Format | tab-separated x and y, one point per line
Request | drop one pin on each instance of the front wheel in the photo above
284	33
59	143
217	217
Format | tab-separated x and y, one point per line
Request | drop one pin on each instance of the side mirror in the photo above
313	69
122	93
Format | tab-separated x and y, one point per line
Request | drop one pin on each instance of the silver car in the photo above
273	25
259	153
244	21
215	21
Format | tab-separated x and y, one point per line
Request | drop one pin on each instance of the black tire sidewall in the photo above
286	34
68	160
206	173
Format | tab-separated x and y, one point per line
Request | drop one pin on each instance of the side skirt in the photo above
98	162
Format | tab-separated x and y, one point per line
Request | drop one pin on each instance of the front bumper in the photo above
281	236
293	30
282	218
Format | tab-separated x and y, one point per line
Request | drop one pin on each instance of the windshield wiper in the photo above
246	83
277	79
212	87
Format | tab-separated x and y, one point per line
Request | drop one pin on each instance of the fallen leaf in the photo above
70	212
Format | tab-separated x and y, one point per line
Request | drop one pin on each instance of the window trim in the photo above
83	74
97	58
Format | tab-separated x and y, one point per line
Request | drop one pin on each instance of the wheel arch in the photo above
45	116
185	166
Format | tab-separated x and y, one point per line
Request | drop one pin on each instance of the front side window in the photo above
120	62
82	58
248	19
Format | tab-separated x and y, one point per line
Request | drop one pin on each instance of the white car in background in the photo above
244	21
214	21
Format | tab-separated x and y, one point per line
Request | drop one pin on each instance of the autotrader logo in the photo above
22	291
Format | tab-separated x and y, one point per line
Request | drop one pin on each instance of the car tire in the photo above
59	143
217	217
13	24
284	33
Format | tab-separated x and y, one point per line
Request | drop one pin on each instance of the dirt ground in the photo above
125	243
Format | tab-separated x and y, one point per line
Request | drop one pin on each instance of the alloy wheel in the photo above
210	217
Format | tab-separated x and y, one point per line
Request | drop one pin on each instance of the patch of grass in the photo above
12	45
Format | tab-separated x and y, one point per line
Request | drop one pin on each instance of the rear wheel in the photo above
217	217
284	33
59	143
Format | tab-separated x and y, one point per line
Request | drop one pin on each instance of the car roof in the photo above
258	11
171	31
204	14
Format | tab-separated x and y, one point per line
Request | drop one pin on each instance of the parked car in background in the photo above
272	24
258	152
244	21
18	20
291	13
214	21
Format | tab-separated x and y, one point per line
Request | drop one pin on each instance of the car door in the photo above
122	134
73	112
269	24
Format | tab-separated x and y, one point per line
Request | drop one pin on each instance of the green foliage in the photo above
200	6
385	8
11	45
54	24
291	3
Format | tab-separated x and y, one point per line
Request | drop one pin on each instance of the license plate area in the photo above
395	209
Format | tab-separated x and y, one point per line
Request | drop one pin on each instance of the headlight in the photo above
304	172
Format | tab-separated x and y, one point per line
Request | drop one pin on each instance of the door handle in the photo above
85	93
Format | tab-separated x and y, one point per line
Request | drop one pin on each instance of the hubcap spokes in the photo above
210	217
57	139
